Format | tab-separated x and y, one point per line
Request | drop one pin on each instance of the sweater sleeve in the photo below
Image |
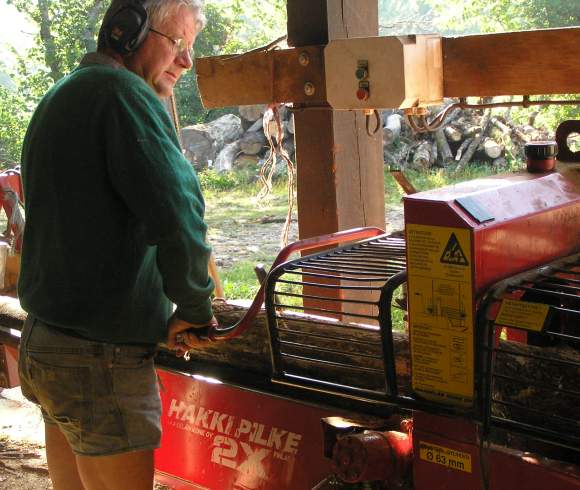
162	191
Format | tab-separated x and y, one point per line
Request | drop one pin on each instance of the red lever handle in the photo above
224	333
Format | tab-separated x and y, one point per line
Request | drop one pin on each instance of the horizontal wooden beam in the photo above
263	77
512	63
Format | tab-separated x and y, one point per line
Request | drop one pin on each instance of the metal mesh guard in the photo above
329	318
533	377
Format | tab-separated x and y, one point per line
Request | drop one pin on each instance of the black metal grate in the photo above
329	317
533	387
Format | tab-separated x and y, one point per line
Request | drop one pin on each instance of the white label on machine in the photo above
450	458
441	312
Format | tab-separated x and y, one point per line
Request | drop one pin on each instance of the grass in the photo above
240	281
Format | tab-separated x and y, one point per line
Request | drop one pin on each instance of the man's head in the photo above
156	37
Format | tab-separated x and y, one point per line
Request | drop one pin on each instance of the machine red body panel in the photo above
10	182
524	232
507	469
222	437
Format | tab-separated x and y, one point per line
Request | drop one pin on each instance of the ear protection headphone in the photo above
127	28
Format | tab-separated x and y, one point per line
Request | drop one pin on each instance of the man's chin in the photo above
164	92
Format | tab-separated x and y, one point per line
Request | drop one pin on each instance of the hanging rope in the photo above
272	115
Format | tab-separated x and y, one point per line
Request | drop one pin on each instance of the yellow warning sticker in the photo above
521	314
450	458
441	312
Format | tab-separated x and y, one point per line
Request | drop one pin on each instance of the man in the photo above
114	234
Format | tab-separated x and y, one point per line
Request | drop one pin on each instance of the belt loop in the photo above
27	330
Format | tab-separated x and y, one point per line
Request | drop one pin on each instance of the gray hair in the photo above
157	11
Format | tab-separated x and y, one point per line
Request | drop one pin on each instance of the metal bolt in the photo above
309	89
304	58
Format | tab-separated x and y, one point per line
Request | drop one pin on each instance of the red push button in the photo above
362	94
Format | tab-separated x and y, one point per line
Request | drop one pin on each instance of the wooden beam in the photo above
340	167
307	22
262	77
512	63
404	71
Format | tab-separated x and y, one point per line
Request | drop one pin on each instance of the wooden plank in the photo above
262	77
252	73
514	63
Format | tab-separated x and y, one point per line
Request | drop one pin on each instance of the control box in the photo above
384	72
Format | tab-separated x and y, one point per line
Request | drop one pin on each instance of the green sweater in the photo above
114	213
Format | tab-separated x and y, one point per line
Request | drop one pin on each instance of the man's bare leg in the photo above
133	470
61	460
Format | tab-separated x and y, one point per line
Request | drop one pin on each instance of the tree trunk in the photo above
50	57
491	148
251	112
252	142
392	129
203	142
434	154
422	155
504	128
474	144
225	159
360	345
499	163
443	147
462	148
90	32
452	134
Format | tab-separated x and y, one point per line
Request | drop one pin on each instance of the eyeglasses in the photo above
179	44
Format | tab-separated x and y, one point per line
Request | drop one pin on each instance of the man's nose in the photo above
184	59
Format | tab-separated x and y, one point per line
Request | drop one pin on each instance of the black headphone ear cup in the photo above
127	28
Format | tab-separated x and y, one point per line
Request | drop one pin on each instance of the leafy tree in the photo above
67	29
232	27
507	15
467	16
13	120
400	17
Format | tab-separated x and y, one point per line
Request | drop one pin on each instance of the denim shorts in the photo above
103	397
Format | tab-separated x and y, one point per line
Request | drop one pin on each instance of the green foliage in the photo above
240	281
13	120
217	181
506	15
400	17
233	27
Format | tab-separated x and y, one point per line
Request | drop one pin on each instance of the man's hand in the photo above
182	335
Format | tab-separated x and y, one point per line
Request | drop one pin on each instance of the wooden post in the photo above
339	166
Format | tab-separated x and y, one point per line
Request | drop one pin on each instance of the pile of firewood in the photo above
233	142
466	136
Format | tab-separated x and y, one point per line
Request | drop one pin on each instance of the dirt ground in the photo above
241	239
22	455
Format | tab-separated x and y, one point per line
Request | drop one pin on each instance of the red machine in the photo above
10	201
445	359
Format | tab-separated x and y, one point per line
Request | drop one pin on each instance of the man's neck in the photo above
104	57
